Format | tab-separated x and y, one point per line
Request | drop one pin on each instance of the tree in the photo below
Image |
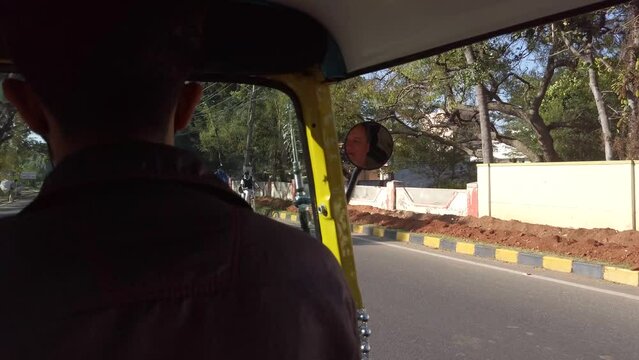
546	91
402	98
572	116
220	130
19	149
482	108
433	97
7	121
524	90
581	35
250	125
22	152
627	84
8	116
428	157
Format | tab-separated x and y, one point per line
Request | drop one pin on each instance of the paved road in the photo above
13	208
447	306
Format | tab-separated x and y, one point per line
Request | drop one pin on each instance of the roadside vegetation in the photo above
566	91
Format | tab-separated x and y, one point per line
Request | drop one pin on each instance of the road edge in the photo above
505	254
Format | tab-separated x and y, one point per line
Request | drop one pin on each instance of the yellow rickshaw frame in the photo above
313	99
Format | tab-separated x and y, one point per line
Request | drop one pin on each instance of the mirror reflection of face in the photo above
357	146
368	145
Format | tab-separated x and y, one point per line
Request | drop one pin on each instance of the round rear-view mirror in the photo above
368	145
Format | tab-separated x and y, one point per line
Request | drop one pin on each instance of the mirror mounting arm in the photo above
351	184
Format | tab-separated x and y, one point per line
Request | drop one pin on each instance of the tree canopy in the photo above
562	91
220	128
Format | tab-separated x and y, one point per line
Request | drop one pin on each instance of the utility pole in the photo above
247	166
297	171
302	200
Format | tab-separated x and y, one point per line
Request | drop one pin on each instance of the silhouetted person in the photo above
132	250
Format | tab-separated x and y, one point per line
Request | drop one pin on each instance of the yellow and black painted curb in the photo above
554	263
284	215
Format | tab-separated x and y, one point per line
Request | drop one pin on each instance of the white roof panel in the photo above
371	33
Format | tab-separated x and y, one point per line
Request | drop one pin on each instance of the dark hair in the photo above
374	150
81	58
372	129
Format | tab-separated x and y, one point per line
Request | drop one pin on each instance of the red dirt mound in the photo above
273	203
603	245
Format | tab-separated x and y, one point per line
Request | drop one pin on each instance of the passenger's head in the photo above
102	72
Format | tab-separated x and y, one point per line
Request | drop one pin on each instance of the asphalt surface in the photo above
430	304
9	209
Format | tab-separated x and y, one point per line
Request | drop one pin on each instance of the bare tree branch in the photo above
504	108
520	146
444	141
551	65
576	52
526	82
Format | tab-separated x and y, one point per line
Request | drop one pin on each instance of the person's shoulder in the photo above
7	227
291	260
290	247
274	233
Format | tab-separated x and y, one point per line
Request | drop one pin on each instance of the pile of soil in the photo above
272	203
600	245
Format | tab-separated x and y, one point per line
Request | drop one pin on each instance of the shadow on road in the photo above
10	209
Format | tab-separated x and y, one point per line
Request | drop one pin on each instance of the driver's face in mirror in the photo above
357	146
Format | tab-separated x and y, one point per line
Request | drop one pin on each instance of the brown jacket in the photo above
130	252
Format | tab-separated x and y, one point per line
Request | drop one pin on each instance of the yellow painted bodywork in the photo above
557	264
314	100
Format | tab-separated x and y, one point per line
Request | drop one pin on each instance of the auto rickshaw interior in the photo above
275	45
